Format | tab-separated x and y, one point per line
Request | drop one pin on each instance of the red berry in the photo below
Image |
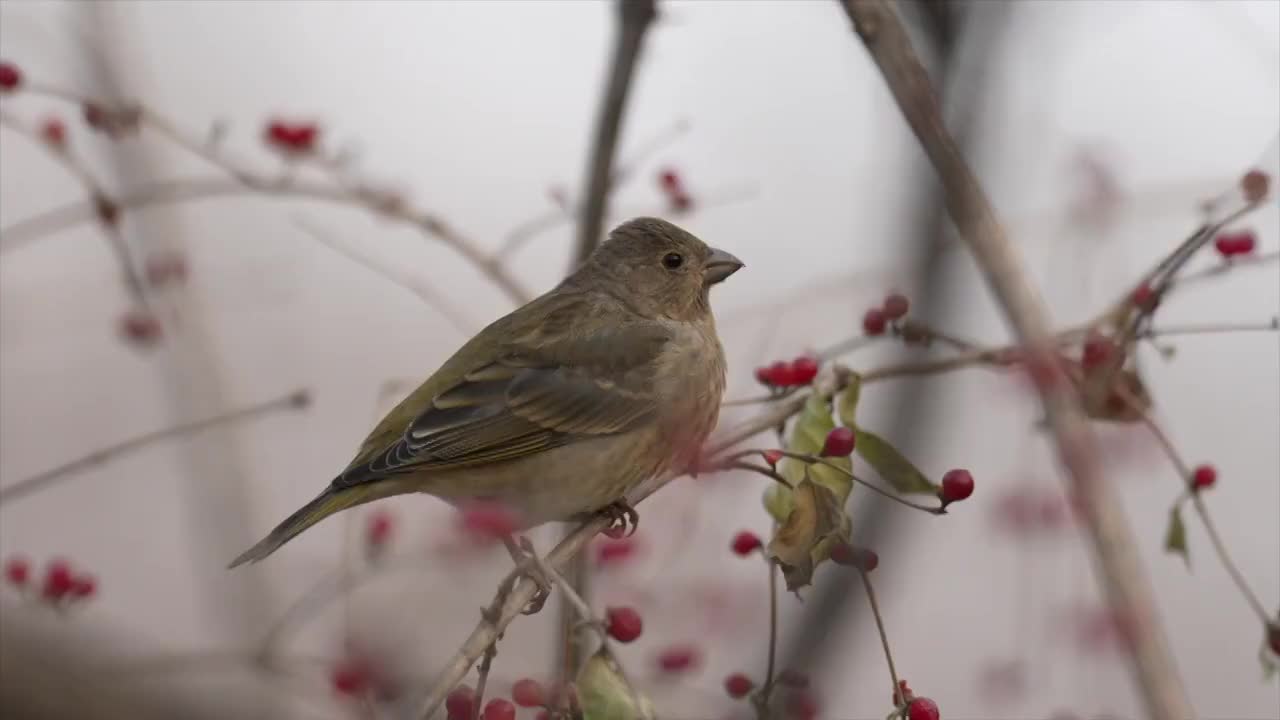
874	322
1273	637
623	623
1255	184
1145	297
498	709
459	703
1203	477
1097	350
678	658
745	543
923	709
10	76
54	132
378	531
738	685
84	586
350	679
773	457
895	306
864	559
17	571
956	485
669	180
839	442
804	369
782	374
487	521
293	138
140	327
614	551
58	580
764	375
802	706
528	692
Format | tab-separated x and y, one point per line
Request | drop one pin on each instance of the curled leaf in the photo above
777	500
807	438
817	522
605	693
892	465
1175	537
847	405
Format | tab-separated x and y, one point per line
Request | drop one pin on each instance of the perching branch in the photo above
293	401
1115	552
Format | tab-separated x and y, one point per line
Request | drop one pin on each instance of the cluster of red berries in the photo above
678	199
1230	245
291	138
796	373
526	693
877	319
60	584
10	76
861	558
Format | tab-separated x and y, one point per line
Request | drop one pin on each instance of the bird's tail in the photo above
330	501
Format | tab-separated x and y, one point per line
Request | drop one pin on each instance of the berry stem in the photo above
1205	329
762	700
482	677
26	486
884	636
813	459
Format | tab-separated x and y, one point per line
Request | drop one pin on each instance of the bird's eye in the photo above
672	260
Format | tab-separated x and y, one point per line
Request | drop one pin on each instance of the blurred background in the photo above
1099	128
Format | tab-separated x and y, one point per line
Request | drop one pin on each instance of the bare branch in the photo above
1115	551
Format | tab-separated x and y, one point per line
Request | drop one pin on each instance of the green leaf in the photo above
605	693
807	438
847	406
892	465
1175	537
777	500
816	523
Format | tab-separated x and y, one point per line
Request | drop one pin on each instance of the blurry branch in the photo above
241	179
1115	552
293	401
101	206
634	18
419	287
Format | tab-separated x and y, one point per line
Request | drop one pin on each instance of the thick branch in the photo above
1115	552
634	18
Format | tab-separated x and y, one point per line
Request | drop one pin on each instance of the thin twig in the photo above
884	636
1115	551
634	18
762	700
293	401
1211	329
482	679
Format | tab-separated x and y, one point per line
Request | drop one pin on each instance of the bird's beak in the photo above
719	266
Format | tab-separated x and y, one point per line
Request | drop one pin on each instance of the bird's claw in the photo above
529	569
624	520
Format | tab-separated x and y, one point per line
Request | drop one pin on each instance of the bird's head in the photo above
659	267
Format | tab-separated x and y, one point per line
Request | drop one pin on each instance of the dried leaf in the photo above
892	465
605	694
1175	537
816	523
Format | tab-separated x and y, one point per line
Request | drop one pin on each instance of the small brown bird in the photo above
560	408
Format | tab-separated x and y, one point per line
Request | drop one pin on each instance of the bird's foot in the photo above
529	567
624	519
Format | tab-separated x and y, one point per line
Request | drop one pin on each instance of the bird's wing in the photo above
558	384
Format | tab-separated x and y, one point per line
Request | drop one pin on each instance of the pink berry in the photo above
623	623
349	678
923	708
804	369
140	327
1096	351
895	306
678	659
10	76
164	268
738	685
1145	298
773	457
839	442
615	551
84	586
378	530
745	543
864	559
58	580
874	322
681	202
801	706
1203	477
956	485
460	702
54	132
17	571
498	709
487	521
669	180
528	692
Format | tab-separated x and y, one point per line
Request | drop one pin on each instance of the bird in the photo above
559	408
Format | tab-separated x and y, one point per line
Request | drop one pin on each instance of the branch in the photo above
293	401
634	17
1115	552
